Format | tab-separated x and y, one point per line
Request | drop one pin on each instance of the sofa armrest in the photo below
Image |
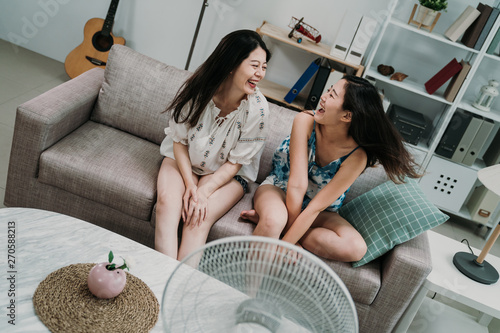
43	121
404	270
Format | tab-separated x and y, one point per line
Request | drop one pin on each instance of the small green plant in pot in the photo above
428	10
436	5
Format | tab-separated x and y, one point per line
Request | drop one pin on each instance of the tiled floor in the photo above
25	74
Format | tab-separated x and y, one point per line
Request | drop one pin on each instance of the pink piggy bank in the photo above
104	283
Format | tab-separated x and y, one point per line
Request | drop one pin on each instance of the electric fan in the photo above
256	284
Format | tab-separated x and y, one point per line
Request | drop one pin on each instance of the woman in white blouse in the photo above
212	148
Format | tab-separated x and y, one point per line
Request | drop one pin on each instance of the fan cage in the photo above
259	281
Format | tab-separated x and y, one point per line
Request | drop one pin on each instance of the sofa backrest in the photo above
135	91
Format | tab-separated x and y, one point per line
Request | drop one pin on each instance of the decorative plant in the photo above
112	267
106	279
436	5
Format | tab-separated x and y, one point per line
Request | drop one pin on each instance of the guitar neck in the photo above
110	18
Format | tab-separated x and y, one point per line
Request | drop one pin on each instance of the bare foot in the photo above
250	215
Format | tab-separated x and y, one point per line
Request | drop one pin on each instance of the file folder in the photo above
478	142
492	154
317	87
466	140
451	137
348	27
302	81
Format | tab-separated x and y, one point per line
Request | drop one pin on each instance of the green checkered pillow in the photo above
390	214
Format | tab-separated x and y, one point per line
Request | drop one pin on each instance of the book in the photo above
478	142
492	154
472	33
486	29
446	73
302	81
317	87
492	49
365	31
466	139
456	82
458	27
453	134
348	27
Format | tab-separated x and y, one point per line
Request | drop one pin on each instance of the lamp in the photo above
487	95
193	43
474	267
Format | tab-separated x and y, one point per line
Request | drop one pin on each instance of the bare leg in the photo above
270	211
168	207
332	237
219	203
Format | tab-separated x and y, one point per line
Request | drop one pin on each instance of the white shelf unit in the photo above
421	54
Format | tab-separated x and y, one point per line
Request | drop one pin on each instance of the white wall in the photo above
163	29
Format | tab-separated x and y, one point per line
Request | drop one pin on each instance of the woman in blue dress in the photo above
315	166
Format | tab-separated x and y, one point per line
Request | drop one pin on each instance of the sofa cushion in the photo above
389	215
135	91
280	125
363	283
105	165
369	179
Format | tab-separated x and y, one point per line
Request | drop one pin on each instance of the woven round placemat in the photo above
64	303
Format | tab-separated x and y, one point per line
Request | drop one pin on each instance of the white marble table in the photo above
46	241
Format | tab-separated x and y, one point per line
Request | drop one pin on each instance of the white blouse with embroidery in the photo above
238	138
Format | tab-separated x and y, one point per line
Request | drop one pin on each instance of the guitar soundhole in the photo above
102	42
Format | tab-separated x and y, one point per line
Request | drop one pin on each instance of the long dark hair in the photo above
200	88
372	129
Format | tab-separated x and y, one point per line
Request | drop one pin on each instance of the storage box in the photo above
482	204
447	184
410	124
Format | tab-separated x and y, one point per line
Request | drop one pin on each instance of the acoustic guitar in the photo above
93	51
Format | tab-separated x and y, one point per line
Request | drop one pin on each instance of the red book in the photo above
446	73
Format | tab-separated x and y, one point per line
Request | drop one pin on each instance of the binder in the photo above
317	87
466	140
453	133
468	16
492	154
348	27
482	204
487	27
471	35
478	142
302	81
332	79
456	82
446	73
365	31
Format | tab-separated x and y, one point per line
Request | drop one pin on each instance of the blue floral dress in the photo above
318	176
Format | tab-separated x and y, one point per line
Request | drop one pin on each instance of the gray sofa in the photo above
89	148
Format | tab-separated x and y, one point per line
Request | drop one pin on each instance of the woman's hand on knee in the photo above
190	195
197	211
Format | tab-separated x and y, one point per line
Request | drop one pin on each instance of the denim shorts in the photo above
243	182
